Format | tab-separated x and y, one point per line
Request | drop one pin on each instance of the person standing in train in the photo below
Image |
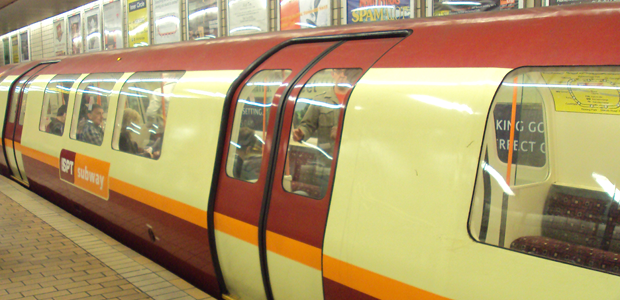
93	133
323	119
57	125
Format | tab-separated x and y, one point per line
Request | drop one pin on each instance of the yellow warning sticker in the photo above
585	92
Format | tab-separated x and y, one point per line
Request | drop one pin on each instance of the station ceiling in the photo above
15	14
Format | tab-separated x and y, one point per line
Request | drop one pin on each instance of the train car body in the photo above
461	157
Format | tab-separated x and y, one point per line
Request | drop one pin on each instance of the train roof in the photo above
583	34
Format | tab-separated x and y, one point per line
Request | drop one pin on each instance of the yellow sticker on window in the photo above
585	92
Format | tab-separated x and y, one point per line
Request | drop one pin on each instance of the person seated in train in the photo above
249	156
323	120
125	143
93	133
57	125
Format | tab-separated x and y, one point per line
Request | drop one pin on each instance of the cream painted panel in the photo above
407	164
306	285
4	94
240	267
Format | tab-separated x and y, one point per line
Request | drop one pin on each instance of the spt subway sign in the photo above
85	172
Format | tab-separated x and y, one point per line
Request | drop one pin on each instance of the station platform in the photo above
47	253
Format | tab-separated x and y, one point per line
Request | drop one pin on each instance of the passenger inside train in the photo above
57	125
315	123
142	112
93	132
245	152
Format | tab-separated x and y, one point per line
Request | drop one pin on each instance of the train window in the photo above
547	186
314	130
55	100
15	98
22	110
90	111
245	153
142	110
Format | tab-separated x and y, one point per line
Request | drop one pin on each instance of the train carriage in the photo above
462	157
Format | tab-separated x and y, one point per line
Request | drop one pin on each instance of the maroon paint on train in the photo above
182	247
550	36
336	291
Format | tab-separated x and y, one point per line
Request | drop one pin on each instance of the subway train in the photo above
459	157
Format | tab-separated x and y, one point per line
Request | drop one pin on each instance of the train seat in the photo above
578	227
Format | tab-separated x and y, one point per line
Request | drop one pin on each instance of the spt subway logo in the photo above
85	172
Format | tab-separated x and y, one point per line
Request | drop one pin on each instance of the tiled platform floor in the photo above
46	253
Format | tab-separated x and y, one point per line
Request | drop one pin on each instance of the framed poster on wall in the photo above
202	20
2	53
247	17
60	36
296	14
444	8
75	33
138	23
24	45
7	53
167	18
92	20
113	25
363	11
14	49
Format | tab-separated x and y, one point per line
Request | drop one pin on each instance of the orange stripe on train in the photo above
160	202
295	250
371	283
236	228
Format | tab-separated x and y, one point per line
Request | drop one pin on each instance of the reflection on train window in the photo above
548	186
55	100
22	110
90	111
245	153
15	98
311	148
142	112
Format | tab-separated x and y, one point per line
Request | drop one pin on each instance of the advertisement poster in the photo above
75	34
247	17
93	29
138	23
444	8
362	11
24	46
113	25
14	49
167	18
565	2
296	14
202	19
7	52
60	38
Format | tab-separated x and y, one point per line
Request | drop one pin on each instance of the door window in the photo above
247	141
55	100
314	130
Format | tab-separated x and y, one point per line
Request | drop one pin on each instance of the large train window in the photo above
314	130
245	153
91	107
55	100
547	185
142	112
